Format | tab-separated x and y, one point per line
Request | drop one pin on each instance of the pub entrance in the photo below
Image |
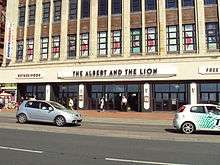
113	95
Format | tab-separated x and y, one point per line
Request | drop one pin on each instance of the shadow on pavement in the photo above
51	124
172	130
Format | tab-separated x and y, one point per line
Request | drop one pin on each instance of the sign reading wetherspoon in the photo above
117	71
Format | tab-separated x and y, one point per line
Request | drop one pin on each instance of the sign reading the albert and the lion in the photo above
117	71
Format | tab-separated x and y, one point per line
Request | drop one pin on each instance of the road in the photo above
22	147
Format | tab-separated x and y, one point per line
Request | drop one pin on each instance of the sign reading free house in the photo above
209	70
127	71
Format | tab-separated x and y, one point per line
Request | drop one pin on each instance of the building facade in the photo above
160	54
2	28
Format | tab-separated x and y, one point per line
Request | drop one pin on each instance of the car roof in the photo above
200	105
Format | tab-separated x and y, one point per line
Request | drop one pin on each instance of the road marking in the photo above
20	149
140	161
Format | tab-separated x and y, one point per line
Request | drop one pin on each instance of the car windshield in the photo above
57	105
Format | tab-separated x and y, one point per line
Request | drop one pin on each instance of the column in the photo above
180	27
93	29
193	93
161	24
200	21
11	18
64	29
219	14
37	32
50	32
125	28
78	29
143	27
81	95
147	96
25	32
48	89
109	27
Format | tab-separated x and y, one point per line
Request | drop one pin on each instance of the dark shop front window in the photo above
116	6
171	3
209	93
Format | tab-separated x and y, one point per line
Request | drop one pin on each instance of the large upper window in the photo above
21	19
171	3
72	9
71	46
116	42
189	37
44	48
46	12
135	5
207	2
136	40
85	8
103	7
187	2
172	38
116	6
212	35
20	49
57	10
55	47
102	43
30	49
151	39
32	9
84	44
150	4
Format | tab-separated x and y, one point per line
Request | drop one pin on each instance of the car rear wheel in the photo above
60	121
22	118
188	128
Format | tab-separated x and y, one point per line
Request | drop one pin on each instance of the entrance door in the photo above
133	101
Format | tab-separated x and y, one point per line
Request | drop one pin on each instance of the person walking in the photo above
70	103
102	103
124	102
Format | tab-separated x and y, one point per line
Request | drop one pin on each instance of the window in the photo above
73	9
20	49
187	3
32	104
135	5
116	6
30	49
189	37
212	36
44	106
197	109
55	47
85	8
21	19
44	48
32	9
46	12
116	42
151	39
71	46
84	44
208	2
136	41
172	38
102	43
57	11
103	7
171	3
213	109
150	4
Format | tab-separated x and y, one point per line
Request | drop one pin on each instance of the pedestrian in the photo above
70	103
102	103
33	97
75	103
124	102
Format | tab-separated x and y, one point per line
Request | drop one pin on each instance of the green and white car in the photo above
191	118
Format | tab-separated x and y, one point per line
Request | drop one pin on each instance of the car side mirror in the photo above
50	109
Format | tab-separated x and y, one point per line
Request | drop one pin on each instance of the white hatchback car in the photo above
191	118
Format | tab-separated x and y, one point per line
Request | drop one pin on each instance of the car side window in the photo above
197	109
32	104
213	109
44	106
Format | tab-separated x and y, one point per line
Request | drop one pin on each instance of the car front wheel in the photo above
188	128
22	118
60	121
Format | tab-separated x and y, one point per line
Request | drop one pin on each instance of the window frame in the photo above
73	4
186	38
19	50
99	43
84	47
215	34
135	5
170	38
150	5
85	9
43	47
30	49
134	41
21	17
57	7
31	14
116	7
71	54
46	12
102	7
171	4
147	39
116	42
55	47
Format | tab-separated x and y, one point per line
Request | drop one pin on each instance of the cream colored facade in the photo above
188	66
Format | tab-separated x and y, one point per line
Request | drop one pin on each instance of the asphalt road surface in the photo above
20	147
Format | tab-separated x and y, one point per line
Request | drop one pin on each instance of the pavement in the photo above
117	117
